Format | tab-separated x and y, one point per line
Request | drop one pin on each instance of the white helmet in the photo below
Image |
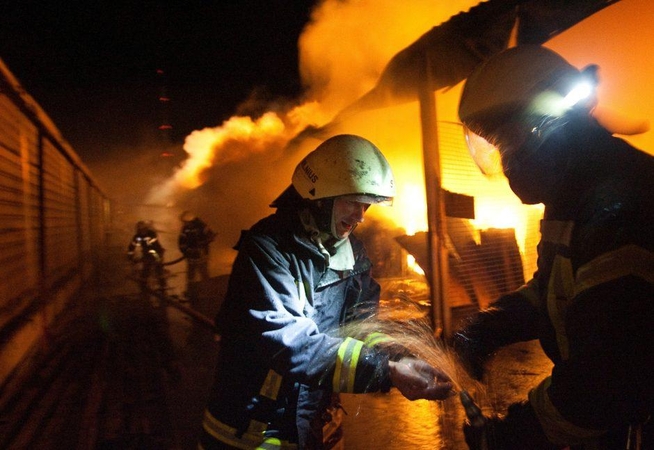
529	87
345	165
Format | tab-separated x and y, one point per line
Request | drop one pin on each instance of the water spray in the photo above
417	338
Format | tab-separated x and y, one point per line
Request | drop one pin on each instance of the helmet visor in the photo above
484	154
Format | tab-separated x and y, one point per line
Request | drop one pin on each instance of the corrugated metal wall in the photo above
53	218
61	233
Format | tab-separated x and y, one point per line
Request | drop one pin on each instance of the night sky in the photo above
92	66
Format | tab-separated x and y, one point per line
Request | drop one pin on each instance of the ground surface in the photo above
123	372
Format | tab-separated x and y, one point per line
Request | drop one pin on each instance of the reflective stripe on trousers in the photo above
252	439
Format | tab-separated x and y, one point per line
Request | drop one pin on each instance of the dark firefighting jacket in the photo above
591	301
194	238
149	244
281	356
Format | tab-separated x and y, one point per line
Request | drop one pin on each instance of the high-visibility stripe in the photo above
302	292
271	385
556	231
274	444
558	430
530	292
252	439
627	260
346	365
376	338
225	433
559	293
560	290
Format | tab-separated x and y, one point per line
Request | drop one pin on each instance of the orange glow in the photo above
204	146
496	214
411	208
343	50
503	213
413	265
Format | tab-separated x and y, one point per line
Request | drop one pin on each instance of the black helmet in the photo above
517	98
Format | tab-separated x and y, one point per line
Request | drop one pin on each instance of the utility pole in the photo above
437	253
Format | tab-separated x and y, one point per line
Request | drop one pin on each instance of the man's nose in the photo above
359	212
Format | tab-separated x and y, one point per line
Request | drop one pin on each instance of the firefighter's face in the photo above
533	161
346	215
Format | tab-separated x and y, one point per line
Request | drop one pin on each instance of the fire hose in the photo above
195	315
476	418
174	261
168	263
173	300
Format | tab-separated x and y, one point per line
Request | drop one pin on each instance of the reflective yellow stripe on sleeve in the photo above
376	338
627	260
558	430
346	365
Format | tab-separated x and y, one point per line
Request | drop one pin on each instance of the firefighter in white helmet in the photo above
527	113
299	275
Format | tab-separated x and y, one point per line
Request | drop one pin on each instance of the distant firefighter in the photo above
194	240
146	241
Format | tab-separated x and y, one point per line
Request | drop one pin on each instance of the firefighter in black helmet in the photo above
527	113
146	241
299	275
194	240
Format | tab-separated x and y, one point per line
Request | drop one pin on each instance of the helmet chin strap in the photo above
322	211
336	252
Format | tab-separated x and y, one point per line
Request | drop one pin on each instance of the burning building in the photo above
235	170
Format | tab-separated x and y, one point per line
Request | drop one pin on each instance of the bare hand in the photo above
416	379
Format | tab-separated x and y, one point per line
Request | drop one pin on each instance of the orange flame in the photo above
202	145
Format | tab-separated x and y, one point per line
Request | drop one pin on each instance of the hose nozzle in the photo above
473	412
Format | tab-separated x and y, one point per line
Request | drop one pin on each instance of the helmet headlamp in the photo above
576	93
